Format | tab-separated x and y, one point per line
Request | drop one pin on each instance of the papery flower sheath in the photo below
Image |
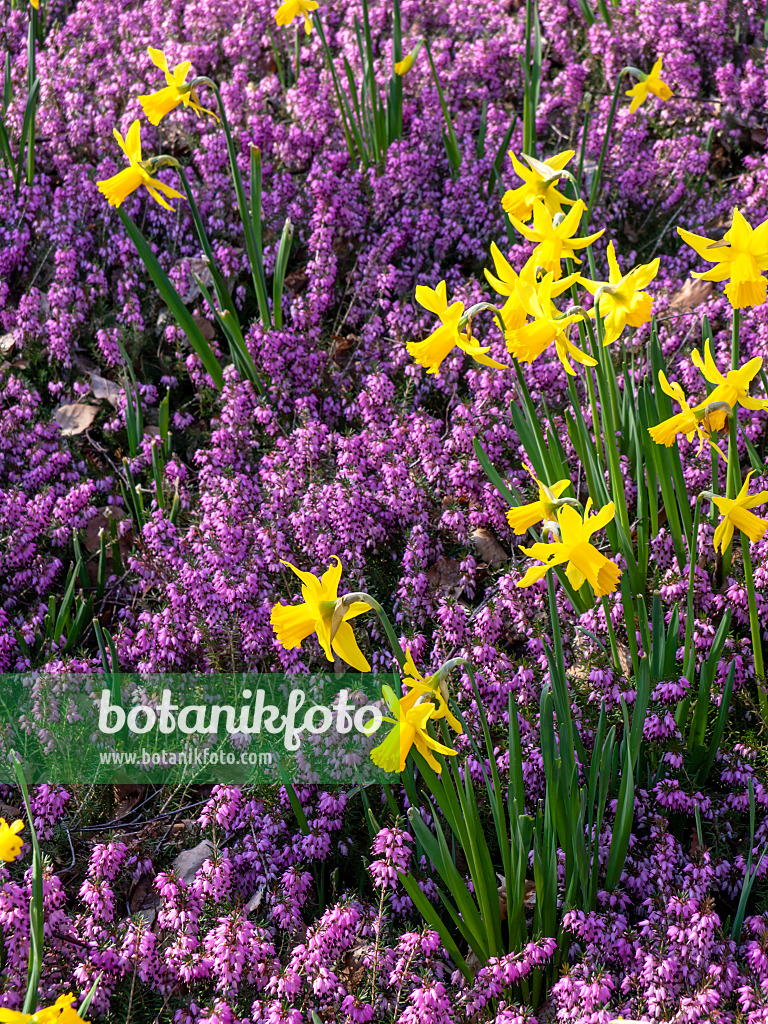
555	242
122	184
410	730
548	326
622	300
431	352
295	622
741	257
733	388
688	421
61	1012
540	180
419	688
157	104
291	9
584	561
10	843
650	85
522	518
735	513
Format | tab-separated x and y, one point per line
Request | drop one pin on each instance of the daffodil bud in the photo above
402	67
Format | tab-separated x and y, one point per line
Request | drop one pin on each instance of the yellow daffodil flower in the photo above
294	9
735	513
121	185
539	185
410	730
10	843
528	342
651	84
431	352
35	4
742	256
732	389
585	562
622	300
419	687
555	242
62	1012
295	622
688	421
513	312
525	516
157	104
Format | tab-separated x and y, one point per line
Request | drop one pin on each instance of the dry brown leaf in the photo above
7	342
127	795
691	295
75	419
207	329
188	862
100	522
107	389
445	575
488	547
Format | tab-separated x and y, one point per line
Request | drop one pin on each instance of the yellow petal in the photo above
345	645
292	623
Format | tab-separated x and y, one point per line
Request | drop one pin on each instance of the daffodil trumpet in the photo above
343	604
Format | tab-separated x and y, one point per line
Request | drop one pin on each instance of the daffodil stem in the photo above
297	53
254	256
733	480
611	634
692	558
603	151
735	339
754	625
32	75
394	643
554	615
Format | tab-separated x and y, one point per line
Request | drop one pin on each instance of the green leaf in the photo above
173	301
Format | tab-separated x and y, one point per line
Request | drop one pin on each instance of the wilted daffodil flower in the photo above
528	343
622	300
431	352
410	730
513	312
704	420
295	622
62	1012
741	256
157	104
555	242
432	687
651	84
539	185
138	173
584	561
735	513
10	843
291	9
525	516
733	389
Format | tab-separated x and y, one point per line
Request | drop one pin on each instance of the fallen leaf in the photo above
188	862
100	522
76	418
488	547
255	901
691	295
107	389
207	329
445	575
127	795
7	341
